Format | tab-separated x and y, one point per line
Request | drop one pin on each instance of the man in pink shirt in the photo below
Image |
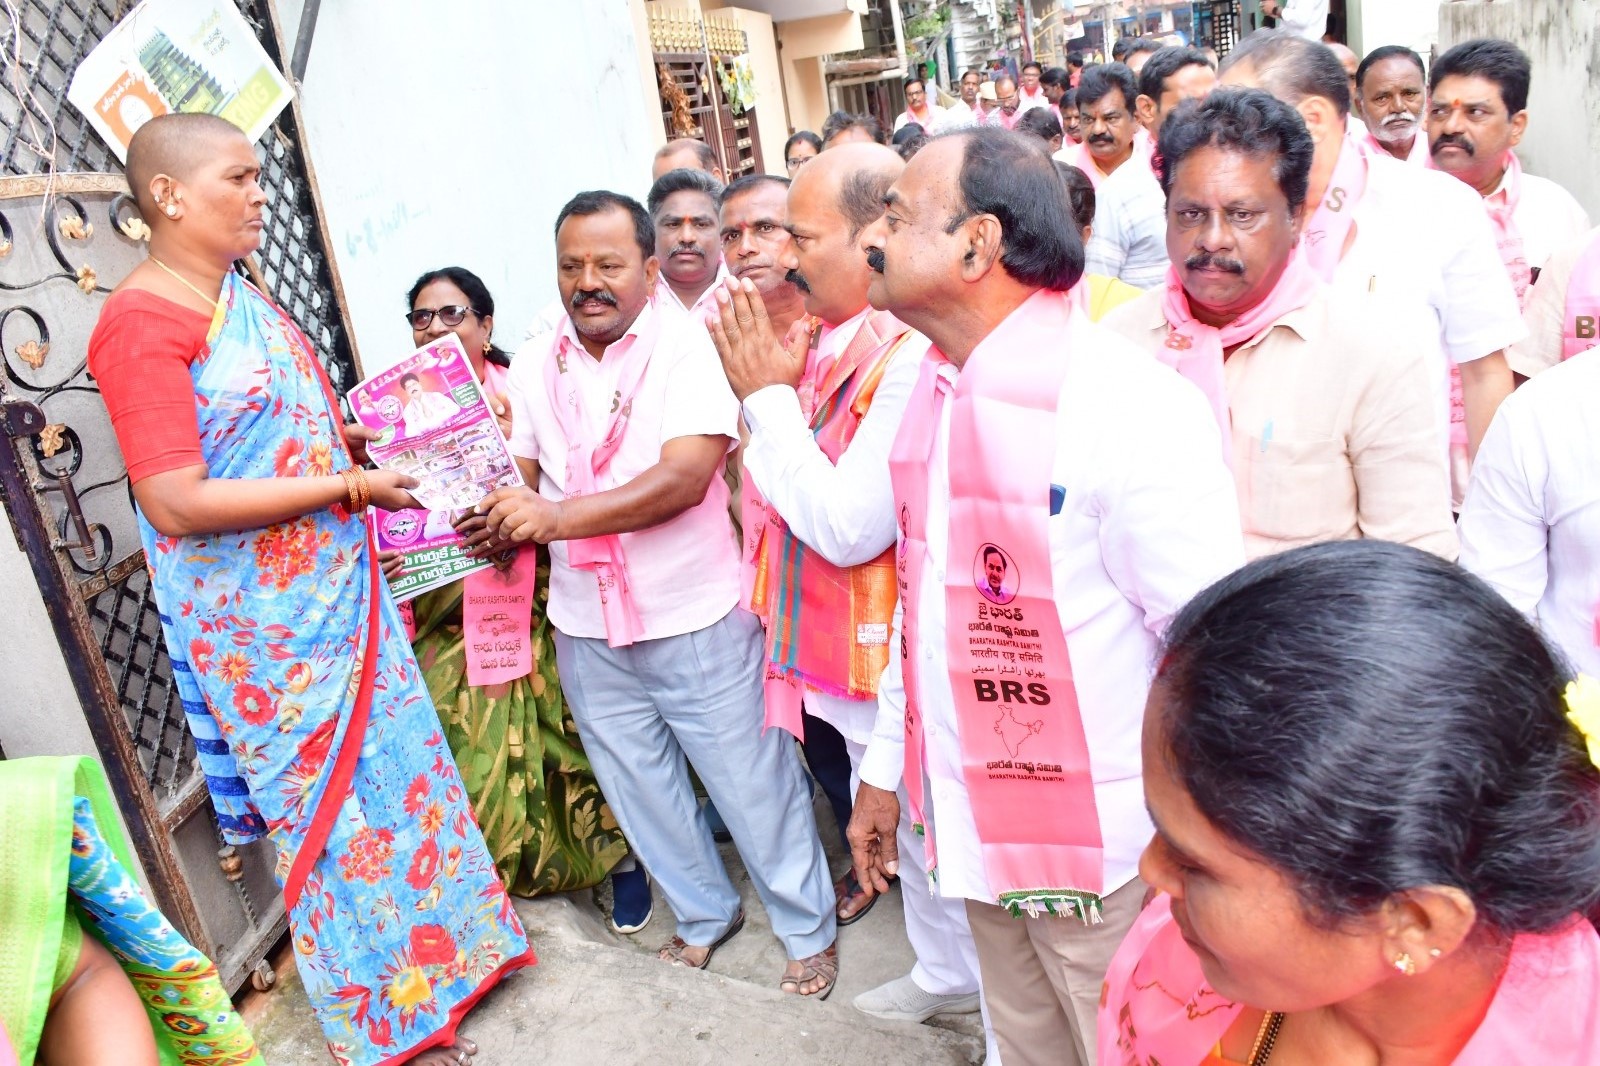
622	419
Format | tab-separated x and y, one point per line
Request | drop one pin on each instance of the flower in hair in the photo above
1583	710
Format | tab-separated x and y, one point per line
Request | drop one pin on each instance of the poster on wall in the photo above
184	56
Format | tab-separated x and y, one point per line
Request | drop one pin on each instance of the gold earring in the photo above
1405	964
486	347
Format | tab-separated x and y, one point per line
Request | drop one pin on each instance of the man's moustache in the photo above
1101	138
583	296
687	249
1403	118
798	280
1453	140
875	259
1207	261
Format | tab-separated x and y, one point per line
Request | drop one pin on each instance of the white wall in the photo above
451	134
1413	23
1562	38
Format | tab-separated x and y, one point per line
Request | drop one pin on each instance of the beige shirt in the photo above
1546	313
1336	425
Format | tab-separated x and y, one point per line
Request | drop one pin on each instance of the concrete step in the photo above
591	1001
600	998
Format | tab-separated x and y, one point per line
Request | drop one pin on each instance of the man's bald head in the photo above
1350	62
172	145
855	177
685	153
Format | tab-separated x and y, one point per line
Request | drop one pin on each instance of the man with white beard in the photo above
1390	97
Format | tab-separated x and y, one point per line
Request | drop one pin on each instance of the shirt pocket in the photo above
1296	491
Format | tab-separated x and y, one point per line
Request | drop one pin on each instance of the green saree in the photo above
65	873
529	782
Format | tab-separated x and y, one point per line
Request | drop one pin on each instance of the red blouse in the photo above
140	354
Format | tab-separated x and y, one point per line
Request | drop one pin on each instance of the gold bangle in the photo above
352	495
363	490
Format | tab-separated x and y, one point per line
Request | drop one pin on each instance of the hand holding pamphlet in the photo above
434	423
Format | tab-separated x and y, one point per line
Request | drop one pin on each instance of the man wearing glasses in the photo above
1009	102
918	109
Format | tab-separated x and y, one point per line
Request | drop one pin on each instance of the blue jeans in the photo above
641	710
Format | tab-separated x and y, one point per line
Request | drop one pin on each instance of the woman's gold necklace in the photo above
1266	1037
192	287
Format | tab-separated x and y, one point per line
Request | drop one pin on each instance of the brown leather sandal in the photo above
824	964
673	950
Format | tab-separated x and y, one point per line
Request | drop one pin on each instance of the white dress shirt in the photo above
1305	18
843	511
1129	238
685	572
934	113
1531	523
1420	242
1418	238
671	303
956	116
1149	519
1547	217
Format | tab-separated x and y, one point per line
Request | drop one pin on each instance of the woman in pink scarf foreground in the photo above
1377	828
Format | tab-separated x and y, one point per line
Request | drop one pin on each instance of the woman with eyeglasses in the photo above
546	824
801	146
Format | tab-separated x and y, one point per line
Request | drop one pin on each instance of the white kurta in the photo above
1531	523
1148	519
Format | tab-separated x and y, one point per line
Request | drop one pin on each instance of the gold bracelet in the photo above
363	490
352	495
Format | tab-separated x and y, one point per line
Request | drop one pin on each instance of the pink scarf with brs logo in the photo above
1502	208
587	458
1331	227
1157	1008
1023	748
1581	316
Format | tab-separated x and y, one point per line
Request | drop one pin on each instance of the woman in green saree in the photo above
528	780
91	974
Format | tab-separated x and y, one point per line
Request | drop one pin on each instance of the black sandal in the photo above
852	889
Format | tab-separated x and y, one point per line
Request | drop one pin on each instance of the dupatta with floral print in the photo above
313	722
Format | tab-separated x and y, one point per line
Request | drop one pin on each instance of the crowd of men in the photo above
1333	273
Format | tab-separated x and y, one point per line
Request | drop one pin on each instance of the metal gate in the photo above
1216	23
691	53
67	236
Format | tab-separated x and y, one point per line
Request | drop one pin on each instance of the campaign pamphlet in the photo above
433	553
182	56
434	424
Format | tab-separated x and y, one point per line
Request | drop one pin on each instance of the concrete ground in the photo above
600	998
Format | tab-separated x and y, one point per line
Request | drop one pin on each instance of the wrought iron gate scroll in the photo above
67	235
